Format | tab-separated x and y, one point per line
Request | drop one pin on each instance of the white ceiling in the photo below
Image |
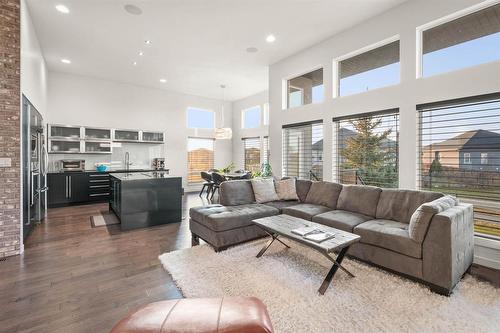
197	44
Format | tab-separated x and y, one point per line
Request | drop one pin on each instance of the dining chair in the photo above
217	179
208	184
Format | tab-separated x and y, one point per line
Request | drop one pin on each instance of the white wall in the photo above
33	66
259	99
79	100
403	21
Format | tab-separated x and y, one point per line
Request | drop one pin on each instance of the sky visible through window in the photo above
251	117
369	80
474	52
199	118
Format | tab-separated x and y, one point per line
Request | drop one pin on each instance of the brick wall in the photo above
10	145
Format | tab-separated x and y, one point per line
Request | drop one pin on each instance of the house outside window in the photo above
305	89
200	118
484	158
466	41
437	156
466	132
376	68
200	158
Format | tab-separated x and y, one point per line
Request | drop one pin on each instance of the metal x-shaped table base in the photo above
331	273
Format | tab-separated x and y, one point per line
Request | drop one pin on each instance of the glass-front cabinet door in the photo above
126	135
65	132
64	146
97	133
102	147
152	136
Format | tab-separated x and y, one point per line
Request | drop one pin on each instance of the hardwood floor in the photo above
75	278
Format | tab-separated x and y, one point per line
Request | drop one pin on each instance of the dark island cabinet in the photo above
67	188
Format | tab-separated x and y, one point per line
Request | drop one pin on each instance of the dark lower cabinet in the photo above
67	188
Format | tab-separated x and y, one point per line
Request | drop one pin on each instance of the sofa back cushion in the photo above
302	186
361	199
421	218
286	189
399	205
236	192
324	193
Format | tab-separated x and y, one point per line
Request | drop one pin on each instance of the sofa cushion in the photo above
263	190
286	189
232	217
341	219
419	221
282	204
236	192
305	211
389	235
399	205
324	194
359	199
302	187
199	213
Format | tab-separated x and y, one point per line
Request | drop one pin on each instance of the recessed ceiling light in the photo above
141	53
62	9
131	9
270	38
252	49
134	63
148	42
163	80
66	61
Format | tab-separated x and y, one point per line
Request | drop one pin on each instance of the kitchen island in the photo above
144	199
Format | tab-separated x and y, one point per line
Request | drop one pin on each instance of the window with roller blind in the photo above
265	150
365	149
200	158
466	41
459	154
376	68
251	151
303	150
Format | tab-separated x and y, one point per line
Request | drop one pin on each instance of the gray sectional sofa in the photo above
380	216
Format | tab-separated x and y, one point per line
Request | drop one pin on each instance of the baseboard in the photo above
487	252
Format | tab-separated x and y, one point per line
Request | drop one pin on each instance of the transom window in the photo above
466	41
366	149
251	117
200	118
305	89
303	150
369	70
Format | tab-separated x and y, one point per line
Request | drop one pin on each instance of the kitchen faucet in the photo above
127	161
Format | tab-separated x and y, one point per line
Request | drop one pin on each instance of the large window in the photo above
305	89
369	70
465	134
303	150
200	157
366	149
251	149
251	117
199	118
466	41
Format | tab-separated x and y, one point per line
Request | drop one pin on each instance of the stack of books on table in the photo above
314	234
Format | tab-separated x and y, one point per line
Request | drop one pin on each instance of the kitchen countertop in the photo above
107	171
143	175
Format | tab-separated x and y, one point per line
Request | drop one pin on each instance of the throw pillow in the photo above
286	189
324	193
420	219
263	189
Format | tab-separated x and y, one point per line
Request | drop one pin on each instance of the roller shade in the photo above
265	148
251	149
303	150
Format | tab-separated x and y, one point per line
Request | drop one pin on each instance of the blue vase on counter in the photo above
102	168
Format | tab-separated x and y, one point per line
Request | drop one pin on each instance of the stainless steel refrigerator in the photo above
35	164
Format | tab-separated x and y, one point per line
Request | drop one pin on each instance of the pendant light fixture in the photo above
221	132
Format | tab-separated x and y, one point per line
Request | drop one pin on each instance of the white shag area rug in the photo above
287	280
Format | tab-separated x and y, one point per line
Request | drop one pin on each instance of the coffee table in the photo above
282	225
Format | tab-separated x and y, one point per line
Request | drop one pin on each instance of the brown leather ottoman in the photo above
199	315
